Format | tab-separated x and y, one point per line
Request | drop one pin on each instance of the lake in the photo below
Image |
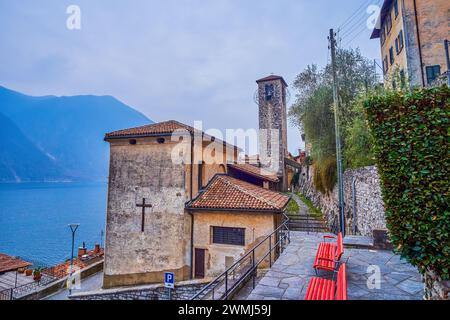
34	218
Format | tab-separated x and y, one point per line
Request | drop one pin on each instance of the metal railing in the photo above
226	284
48	276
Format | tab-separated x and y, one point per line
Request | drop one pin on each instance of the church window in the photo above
226	235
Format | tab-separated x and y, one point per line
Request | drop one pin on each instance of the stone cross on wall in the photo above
143	206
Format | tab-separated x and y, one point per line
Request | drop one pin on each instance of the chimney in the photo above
81	251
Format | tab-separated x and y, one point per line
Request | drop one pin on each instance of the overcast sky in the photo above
173	59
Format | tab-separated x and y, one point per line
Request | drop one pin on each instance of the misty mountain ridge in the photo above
63	134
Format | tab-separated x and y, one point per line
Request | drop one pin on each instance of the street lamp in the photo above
73	227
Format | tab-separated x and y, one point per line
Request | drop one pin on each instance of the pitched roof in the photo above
161	128
157	129
8	263
272	78
255	171
226	193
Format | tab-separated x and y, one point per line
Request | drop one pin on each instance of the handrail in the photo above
218	280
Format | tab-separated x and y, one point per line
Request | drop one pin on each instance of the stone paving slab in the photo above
289	277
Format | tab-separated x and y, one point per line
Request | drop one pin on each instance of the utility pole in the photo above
337	130
446	44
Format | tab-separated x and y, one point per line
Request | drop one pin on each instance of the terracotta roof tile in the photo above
262	173
227	193
271	78
8	263
61	270
166	127
155	129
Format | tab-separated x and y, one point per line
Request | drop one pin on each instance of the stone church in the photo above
192	217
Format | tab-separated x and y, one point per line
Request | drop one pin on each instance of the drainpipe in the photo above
192	246
419	43
447	59
190	213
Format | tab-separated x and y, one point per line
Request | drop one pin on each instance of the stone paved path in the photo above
303	220
289	276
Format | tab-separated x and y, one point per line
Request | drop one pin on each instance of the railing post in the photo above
289	234
11	294
270	251
226	285
253	267
280	242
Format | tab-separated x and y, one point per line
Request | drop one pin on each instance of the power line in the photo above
351	40
354	14
352	27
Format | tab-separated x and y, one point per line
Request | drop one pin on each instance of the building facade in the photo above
232	216
179	200
412	35
137	249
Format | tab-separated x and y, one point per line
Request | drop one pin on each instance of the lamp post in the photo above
73	227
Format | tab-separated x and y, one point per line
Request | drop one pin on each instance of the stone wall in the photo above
364	208
137	171
257	227
435	287
273	116
183	291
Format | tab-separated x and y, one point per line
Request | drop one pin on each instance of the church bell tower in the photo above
273	124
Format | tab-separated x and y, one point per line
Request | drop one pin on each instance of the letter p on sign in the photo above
169	280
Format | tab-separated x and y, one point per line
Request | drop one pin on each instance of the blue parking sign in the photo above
169	280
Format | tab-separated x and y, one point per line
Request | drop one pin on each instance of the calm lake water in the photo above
34	218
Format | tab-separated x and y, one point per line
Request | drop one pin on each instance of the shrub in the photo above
411	133
358	141
329	173
325	175
317	179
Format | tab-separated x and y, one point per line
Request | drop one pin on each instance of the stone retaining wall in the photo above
435	287
183	291
368	212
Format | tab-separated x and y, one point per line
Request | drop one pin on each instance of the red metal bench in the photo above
324	289
328	254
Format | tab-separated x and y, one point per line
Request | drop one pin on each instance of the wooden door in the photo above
199	263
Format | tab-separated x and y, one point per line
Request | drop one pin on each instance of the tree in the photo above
313	114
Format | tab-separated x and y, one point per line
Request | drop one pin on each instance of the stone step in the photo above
321	226
358	242
319	230
308	222
305	217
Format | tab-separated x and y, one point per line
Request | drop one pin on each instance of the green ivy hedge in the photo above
412	136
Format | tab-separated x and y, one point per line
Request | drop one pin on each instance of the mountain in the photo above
64	133
20	160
